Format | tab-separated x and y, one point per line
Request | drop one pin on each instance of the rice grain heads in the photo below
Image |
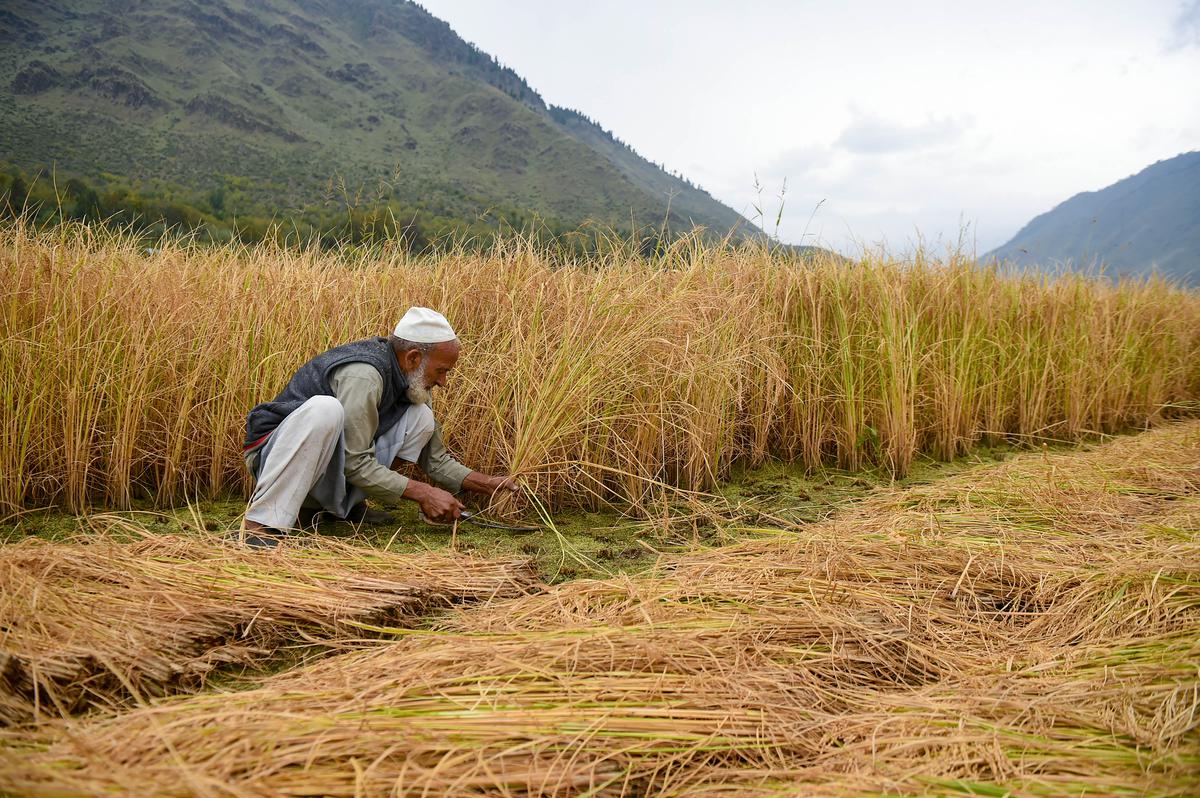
596	381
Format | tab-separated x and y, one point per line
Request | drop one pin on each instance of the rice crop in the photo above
127	373
107	620
1031	628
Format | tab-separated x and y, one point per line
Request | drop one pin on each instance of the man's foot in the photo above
309	519
359	514
362	514
260	536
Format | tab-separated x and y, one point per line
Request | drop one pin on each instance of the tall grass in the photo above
126	372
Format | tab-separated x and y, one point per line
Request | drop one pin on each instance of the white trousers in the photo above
304	461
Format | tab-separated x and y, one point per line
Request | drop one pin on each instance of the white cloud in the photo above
869	134
802	162
896	198
1185	29
901	116
878	181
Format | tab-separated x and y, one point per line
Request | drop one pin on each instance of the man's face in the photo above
432	369
440	363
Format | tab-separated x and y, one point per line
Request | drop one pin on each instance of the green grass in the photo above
581	543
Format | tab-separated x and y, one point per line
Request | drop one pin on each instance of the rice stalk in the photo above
126	374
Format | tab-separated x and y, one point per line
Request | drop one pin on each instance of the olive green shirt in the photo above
359	388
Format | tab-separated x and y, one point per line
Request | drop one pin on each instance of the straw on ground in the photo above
106	621
1029	629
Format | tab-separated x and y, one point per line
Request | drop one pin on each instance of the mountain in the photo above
275	106
1150	220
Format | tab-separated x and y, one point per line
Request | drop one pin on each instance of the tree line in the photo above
45	198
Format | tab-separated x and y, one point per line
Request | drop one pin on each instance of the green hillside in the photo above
302	109
1148	221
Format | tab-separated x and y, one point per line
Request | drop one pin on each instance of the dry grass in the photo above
107	621
125	373
1029	629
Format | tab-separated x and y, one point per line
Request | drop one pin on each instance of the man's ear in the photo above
410	359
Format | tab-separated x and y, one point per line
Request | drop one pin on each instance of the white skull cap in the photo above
424	326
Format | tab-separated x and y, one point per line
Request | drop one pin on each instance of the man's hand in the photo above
490	485
436	504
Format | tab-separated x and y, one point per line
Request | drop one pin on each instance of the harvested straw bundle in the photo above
106	620
880	652
647	711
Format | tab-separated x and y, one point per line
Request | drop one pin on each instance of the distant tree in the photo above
87	201
216	201
18	195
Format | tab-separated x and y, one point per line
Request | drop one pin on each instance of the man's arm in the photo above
452	475
359	388
490	484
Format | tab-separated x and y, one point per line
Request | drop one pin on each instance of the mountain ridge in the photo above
1147	221
287	104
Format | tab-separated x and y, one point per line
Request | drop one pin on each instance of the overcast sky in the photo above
899	117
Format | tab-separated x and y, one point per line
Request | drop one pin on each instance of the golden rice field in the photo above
126	373
1028	627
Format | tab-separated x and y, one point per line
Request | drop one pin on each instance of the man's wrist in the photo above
475	482
479	483
415	490
488	483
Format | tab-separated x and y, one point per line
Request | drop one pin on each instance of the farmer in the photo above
349	415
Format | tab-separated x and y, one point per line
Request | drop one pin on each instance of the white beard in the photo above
417	393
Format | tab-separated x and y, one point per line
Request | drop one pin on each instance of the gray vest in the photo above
312	379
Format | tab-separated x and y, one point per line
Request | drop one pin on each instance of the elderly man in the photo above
330	439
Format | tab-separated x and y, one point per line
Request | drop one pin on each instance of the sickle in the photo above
470	517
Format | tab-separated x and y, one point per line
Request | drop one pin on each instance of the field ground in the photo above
1009	624
580	543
